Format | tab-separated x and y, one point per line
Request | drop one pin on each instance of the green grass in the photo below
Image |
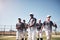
7	38
14	38
53	38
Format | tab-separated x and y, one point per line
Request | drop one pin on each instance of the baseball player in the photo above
32	27
19	27
25	30
39	30
47	26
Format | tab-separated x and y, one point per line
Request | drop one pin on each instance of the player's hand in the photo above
29	25
17	27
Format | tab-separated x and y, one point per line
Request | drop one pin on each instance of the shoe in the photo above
22	39
25	38
41	38
16	39
37	38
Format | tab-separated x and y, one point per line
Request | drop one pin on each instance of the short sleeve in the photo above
51	23
43	23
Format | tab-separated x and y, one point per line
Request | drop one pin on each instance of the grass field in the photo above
54	37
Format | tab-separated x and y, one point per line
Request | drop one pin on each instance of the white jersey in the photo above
32	22
48	25
19	26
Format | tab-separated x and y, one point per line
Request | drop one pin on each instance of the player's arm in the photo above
43	24
54	24
37	24
33	22
26	25
17	27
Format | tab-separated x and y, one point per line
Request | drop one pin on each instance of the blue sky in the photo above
11	10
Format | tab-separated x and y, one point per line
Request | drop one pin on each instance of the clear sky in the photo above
11	10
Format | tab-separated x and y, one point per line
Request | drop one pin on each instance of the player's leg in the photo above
33	33
18	35
25	35
37	32
29	32
22	35
48	35
40	35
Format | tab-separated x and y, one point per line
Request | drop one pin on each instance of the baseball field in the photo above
54	37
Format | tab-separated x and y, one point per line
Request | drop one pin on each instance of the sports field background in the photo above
13	37
54	37
8	32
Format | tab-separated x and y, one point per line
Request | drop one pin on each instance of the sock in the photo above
22	39
16	39
37	38
41	38
25	38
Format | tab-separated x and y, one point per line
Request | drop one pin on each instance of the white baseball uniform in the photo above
48	29
39	30
32	29
19	33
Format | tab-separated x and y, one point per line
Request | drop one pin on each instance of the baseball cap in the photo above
39	19
19	18
31	14
49	16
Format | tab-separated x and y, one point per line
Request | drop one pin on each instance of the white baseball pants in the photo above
31	33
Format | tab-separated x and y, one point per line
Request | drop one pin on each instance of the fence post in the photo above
4	29
10	29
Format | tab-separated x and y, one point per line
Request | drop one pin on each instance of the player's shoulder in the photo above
41	23
22	23
34	18
37	24
51	21
17	23
44	22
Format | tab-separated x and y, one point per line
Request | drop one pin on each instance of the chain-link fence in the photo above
11	30
7	30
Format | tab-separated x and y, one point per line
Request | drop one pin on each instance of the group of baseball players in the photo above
29	31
